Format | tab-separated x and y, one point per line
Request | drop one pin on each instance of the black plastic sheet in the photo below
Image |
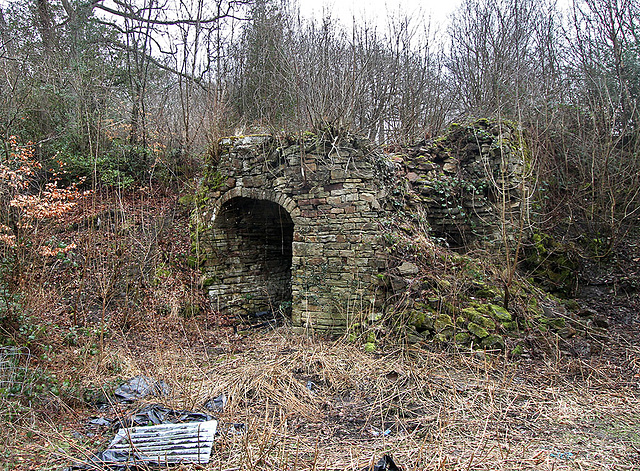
140	387
384	464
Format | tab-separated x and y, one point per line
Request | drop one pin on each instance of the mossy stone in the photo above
500	313
449	307
447	331
442	322
483	309
421	320
462	338
442	337
486	292
510	326
554	323
493	341
477	330
486	322
471	313
551	263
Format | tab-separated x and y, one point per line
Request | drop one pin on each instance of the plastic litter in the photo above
378	433
100	421
171	436
156	414
140	387
163	444
216	404
136	448
384	464
562	455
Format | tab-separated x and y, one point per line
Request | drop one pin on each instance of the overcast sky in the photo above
377	10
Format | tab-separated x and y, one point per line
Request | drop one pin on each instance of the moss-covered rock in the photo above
500	313
443	322
510	326
443	337
487	292
553	323
477	330
422	320
493	341
471	313
462	338
486	322
551	263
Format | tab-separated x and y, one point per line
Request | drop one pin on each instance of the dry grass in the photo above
429	410
432	411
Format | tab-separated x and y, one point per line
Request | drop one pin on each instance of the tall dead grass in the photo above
315	404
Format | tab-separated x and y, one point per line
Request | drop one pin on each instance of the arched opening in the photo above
253	239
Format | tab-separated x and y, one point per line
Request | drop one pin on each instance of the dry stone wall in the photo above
299	225
294	224
471	183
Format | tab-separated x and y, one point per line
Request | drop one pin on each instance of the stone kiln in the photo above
298	225
294	226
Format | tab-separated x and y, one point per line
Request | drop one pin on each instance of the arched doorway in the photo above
253	241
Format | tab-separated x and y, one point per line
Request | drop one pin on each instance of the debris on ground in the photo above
384	464
136	447
159	435
100	421
140	387
157	414
216	404
380	433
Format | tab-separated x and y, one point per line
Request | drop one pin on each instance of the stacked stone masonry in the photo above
295	225
468	182
298	225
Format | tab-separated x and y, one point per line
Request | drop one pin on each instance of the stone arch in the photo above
253	235
257	194
334	199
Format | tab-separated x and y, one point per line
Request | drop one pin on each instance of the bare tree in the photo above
501	55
